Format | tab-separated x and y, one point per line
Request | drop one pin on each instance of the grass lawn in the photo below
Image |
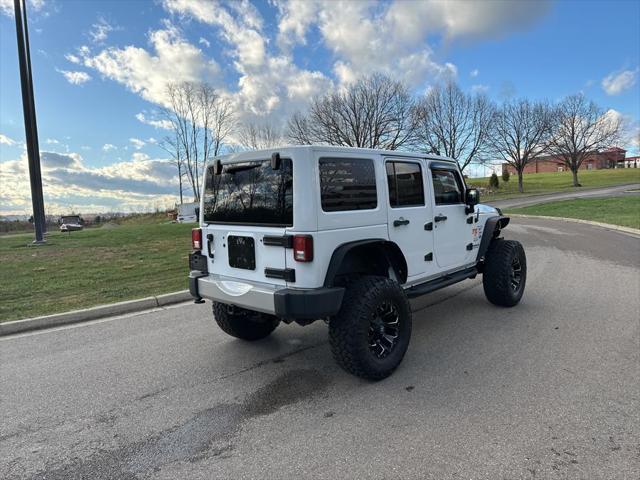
91	267
623	211
538	183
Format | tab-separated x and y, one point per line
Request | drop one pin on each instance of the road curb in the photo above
608	226
93	313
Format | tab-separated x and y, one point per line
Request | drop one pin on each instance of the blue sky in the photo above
101	67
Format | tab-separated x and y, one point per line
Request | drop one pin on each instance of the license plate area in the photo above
198	262
242	252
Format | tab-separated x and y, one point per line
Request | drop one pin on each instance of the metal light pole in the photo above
30	126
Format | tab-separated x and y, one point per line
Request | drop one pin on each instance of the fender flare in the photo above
492	229
390	250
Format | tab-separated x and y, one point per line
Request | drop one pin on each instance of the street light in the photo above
30	126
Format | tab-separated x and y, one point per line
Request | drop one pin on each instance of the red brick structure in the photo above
611	158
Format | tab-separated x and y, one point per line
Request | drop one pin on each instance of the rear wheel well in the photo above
375	257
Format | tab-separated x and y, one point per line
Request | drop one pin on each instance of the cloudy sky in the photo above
101	67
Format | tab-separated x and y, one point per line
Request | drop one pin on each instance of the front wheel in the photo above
505	272
370	334
242	323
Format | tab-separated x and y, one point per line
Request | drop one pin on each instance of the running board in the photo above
441	282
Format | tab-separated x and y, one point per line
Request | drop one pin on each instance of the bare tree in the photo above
172	146
201	120
454	124
520	133
374	112
582	129
256	136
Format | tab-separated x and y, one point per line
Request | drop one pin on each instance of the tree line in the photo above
380	112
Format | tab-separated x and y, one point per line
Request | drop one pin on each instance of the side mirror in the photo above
472	197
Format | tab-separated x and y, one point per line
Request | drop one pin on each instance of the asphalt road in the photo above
615	191
548	389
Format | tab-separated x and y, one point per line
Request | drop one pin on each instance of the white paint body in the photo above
447	240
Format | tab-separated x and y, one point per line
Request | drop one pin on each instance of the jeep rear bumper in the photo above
291	303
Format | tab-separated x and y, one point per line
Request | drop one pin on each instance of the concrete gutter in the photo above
93	313
608	226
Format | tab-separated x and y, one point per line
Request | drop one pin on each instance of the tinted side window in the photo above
347	184
406	188
447	187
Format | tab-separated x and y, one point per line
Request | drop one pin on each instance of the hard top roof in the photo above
329	149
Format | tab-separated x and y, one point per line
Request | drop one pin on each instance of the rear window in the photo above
250	193
405	184
347	184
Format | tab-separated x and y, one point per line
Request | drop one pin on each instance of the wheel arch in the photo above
372	256
492	228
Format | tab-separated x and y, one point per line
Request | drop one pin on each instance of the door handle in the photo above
400	221
209	242
440	218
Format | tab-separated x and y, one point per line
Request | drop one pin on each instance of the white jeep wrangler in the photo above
346	235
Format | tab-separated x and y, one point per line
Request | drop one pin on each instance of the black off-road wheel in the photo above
505	272
370	334
244	324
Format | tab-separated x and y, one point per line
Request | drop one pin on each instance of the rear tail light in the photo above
303	248
196	239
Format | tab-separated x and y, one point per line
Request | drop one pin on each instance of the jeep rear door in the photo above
408	212
246	210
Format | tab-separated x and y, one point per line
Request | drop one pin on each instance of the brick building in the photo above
611	158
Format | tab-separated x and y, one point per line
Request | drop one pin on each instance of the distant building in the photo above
611	158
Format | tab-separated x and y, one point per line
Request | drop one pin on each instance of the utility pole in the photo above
30	125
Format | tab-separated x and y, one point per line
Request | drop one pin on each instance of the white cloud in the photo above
4	140
161	123
75	78
52	141
361	38
269	85
629	130
100	31
474	73
6	6
365	41
204	41
617	82
243	32
73	58
369	36
486	19
141	184
107	147
137	143
139	157
174	60
295	18
479	88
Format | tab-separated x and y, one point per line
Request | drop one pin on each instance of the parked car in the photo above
346	235
70	223
188	212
